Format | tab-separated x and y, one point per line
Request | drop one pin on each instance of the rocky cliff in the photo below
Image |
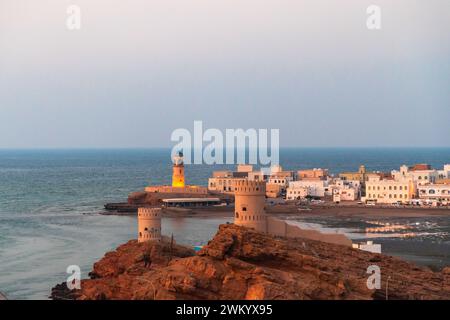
239	263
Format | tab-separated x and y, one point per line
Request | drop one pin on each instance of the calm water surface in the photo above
50	200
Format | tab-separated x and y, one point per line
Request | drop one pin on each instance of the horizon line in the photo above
281	147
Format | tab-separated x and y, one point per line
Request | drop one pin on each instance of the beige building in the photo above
221	184
360	175
222	181
191	190
149	224
296	193
244	168
389	191
273	190
345	194
316	173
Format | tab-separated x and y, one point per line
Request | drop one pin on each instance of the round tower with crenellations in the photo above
149	224
249	200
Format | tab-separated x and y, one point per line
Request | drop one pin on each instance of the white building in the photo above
435	193
302	188
345	194
420	174
368	246
345	190
445	172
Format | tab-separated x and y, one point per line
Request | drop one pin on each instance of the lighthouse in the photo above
249	200
178	171
149	224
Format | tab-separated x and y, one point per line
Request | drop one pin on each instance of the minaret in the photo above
149	224
249	200
178	171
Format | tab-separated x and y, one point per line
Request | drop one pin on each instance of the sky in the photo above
138	70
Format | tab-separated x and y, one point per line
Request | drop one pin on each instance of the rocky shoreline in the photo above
239	263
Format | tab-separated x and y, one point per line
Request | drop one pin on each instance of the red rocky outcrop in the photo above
239	263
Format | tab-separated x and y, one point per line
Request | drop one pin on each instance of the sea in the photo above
50	202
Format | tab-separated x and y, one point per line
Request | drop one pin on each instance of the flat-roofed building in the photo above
191	190
444	174
389	191
435	192
345	194
420	173
244	168
296	193
273	190
314	188
257	176
359	175
190	202
283	182
316	173
222	181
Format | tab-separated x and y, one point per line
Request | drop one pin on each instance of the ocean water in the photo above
50	200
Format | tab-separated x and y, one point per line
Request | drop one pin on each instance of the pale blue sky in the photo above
137	70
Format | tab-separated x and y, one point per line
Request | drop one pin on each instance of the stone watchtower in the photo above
249	200
149	224
178	171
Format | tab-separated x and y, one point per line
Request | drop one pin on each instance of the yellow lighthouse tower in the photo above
178	171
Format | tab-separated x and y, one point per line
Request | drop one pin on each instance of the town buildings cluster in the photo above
418	184
409	185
